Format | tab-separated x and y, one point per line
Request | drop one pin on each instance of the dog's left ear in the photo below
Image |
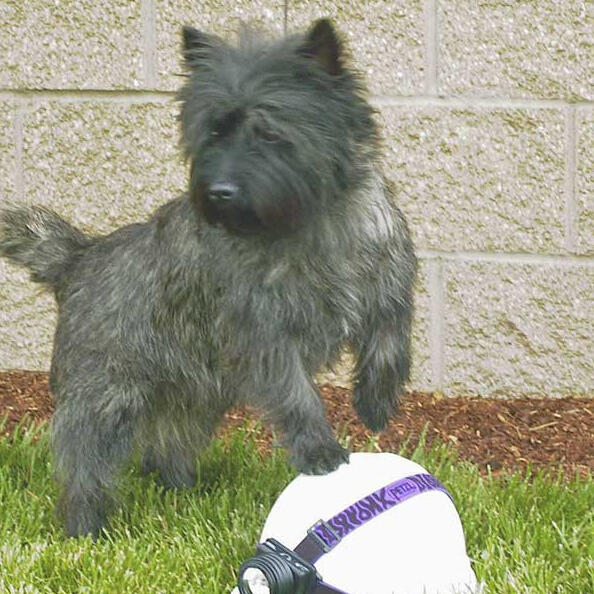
323	45
196	46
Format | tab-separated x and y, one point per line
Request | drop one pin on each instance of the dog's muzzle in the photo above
222	192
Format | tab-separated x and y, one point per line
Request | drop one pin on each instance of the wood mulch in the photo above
495	434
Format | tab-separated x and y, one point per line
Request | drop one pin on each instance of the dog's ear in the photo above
196	46
323	45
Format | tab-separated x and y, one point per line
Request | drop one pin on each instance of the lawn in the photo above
530	533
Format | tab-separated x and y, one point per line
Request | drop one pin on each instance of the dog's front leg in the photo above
382	351
309	438
295	406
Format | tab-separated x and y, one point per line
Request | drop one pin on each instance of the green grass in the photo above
532	534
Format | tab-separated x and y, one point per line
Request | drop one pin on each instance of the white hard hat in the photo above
415	547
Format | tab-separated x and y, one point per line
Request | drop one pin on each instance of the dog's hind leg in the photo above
172	440
174	464
174	461
93	436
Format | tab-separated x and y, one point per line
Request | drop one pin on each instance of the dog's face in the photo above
273	131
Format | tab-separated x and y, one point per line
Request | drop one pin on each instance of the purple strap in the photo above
323	536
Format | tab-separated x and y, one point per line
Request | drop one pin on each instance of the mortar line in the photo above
149	43
436	322
431	47
509	258
470	102
570	173
17	127
137	95
28	97
285	16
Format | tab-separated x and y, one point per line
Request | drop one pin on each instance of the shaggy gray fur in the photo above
286	247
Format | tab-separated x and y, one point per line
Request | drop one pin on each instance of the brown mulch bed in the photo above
495	434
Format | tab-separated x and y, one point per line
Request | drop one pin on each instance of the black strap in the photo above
322	588
309	549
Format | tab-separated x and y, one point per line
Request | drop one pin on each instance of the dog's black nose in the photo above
222	192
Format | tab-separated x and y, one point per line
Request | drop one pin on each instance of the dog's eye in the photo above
268	135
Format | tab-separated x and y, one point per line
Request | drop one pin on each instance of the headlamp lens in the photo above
267	573
254	581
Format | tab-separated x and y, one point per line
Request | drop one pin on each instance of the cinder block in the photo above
27	321
584	186
8	164
519	329
386	39
479	179
221	17
102	164
540	49
83	45
342	373
421	372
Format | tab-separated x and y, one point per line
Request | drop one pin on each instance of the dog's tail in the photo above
36	237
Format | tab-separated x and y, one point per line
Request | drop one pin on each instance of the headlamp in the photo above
275	569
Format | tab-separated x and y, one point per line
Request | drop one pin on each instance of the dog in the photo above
286	247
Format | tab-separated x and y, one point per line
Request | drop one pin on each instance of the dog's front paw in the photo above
375	413
320	458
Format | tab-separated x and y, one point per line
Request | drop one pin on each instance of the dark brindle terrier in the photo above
286	247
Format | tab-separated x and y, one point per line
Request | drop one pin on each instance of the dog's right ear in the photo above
323	44
196	46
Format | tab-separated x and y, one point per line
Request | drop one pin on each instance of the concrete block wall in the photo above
488	117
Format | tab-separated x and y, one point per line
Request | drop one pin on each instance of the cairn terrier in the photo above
286	246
